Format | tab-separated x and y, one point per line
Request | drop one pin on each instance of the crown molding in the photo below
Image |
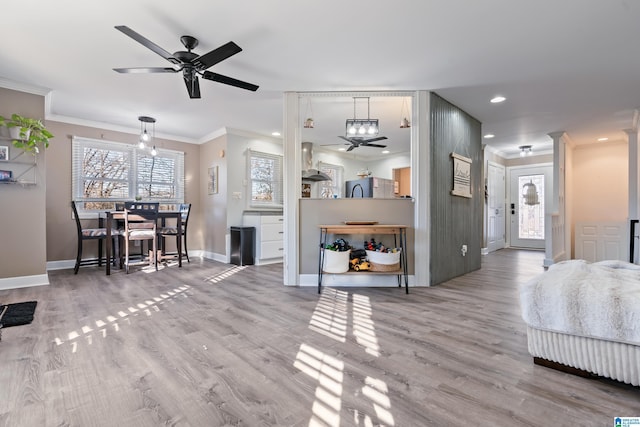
23	87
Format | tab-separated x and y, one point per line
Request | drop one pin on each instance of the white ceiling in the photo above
569	65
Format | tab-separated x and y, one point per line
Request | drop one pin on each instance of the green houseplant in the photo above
30	133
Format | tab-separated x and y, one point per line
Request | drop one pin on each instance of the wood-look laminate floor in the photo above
215	345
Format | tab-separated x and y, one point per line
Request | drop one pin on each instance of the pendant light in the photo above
404	113
361	127
147	136
308	123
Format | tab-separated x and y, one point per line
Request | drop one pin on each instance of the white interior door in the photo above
527	220
496	188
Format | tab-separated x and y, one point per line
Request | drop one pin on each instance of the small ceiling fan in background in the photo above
190	64
358	141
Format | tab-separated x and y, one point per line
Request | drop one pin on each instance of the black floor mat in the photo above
20	313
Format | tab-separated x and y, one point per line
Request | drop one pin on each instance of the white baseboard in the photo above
214	256
24	281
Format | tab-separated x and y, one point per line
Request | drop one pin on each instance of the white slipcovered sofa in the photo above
586	316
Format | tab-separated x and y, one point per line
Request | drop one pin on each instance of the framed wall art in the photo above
212	183
4	153
461	176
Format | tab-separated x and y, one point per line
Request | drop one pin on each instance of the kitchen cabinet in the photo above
269	236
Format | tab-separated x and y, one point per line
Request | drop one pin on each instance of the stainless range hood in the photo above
309	174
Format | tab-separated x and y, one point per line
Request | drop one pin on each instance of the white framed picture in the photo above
4	153
461	176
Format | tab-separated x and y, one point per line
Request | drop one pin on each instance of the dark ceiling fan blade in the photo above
147	43
193	86
146	70
366	144
380	138
229	81
351	148
346	139
216	55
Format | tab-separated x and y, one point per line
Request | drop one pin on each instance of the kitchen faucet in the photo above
361	190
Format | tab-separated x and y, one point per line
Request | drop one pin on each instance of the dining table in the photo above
113	216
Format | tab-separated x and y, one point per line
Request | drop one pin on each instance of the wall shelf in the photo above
23	166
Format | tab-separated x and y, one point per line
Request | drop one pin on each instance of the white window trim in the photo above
278	203
78	143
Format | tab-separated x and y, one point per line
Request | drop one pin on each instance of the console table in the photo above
399	233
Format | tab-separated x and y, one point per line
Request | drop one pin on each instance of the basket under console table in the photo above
399	233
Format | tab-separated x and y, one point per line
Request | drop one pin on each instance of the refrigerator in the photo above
372	187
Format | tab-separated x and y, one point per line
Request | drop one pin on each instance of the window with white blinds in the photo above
265	177
334	187
105	172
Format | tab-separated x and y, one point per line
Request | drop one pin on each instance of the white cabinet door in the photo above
271	232
273	249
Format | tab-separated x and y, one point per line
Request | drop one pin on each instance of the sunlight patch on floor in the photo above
328	371
225	274
363	327
330	318
113	321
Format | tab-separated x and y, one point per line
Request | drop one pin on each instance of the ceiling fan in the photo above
191	64
358	141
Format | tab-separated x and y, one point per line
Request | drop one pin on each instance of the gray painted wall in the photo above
455	221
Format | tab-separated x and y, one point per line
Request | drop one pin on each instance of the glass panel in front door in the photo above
531	218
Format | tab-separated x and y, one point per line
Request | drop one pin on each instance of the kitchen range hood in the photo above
309	174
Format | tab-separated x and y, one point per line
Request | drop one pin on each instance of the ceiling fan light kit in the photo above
189	63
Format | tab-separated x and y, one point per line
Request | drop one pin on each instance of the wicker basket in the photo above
336	262
384	261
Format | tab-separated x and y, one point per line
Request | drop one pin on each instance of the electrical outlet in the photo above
237	195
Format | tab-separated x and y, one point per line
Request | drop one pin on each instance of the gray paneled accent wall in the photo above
455	221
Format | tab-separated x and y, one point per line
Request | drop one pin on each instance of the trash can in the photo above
243	245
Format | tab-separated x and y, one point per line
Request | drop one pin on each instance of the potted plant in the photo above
27	133
4	130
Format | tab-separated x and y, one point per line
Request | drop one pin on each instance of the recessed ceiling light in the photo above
385	151
275	133
603	139
489	136
342	149
498	99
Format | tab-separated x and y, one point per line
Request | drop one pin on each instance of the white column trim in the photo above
634	208
292	186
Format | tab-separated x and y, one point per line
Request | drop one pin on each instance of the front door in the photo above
530	191
495	207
